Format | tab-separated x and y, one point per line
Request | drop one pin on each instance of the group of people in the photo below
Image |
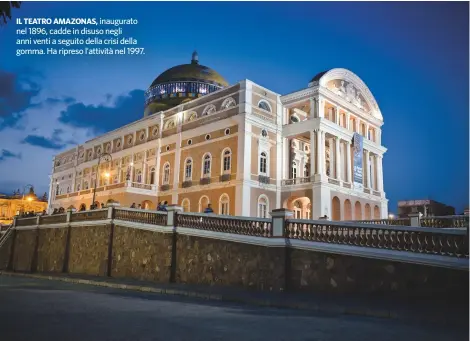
163	204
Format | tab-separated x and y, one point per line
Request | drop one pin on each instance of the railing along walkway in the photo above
402	238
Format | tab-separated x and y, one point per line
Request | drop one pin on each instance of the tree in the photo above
5	10
44	197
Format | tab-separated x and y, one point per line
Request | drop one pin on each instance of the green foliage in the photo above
5	10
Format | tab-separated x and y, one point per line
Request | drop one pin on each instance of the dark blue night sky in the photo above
413	57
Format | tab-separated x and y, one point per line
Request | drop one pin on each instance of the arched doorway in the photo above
376	212
368	212
357	211
147	205
347	210
335	209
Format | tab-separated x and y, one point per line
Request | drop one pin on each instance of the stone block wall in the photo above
217	262
141	254
165	257
5	252
25	246
89	249
326	272
51	249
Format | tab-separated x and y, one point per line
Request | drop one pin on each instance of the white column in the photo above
367	172
157	164
120	171
243	191
348	162
332	157
367	131
356	121
132	167
144	171
312	153
337	115
337	158
312	108
380	183
348	117
320	153
321	107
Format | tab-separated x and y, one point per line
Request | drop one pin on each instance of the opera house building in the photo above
241	147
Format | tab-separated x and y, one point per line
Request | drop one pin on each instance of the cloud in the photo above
16	94
103	118
6	154
55	142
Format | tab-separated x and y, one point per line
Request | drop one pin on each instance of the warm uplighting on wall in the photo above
29	199
391	216
107	174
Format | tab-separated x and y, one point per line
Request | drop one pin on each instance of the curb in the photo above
231	298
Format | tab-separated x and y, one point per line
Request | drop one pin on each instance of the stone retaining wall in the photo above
210	261
171	257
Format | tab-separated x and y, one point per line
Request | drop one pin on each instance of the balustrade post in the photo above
279	217
15	221
69	216
172	211
415	219
110	212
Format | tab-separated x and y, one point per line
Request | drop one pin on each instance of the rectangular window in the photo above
224	208
262	210
207	167
188	172
226	163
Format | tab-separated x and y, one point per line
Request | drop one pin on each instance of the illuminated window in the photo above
166	174
188	169
224	204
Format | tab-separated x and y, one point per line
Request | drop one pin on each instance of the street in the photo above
33	309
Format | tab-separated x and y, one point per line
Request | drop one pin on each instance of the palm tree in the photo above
5	10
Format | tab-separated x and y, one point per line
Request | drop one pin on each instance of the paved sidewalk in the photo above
417	310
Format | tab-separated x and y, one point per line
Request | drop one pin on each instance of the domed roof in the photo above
190	72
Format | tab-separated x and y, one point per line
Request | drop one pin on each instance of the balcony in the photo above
297	181
127	186
264	179
165	187
225	177
187	183
205	181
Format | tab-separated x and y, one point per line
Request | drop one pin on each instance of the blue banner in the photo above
358	153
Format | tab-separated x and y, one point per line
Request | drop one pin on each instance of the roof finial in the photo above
195	58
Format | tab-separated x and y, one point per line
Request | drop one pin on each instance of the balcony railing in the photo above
454	221
375	234
297	181
412	239
390	222
334	181
141	216
261	227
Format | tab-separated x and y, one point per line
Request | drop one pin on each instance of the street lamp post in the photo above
107	158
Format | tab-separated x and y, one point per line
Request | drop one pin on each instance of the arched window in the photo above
224	204
139	176
186	205
227	103
263	162
206	166
294	119
191	116
264	105
294	170
209	110
188	169
227	159
152	176
203	203
78	187
308	212
263	206
85	185
166	174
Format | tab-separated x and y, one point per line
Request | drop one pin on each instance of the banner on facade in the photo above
358	154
